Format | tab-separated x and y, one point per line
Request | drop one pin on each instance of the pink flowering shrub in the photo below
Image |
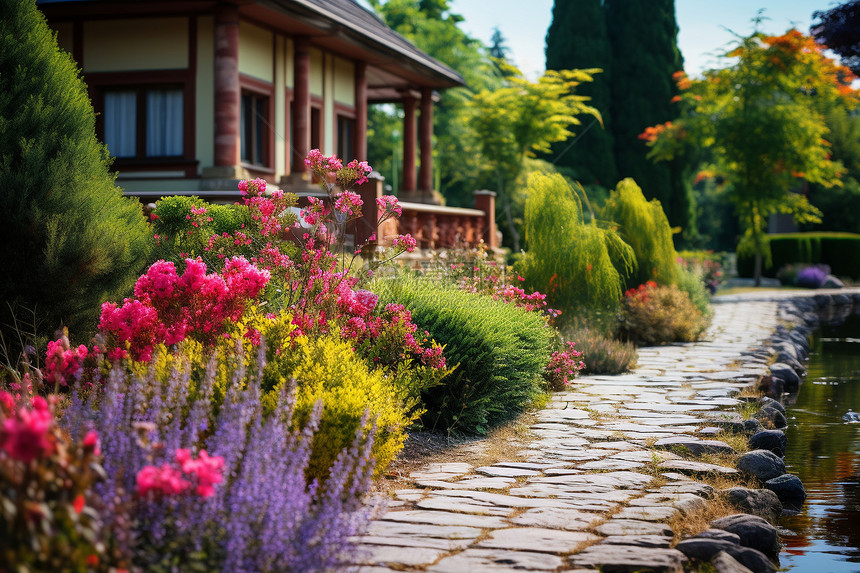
63	364
564	365
170	479
47	517
168	308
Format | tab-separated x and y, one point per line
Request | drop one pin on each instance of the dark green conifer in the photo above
577	39
68	240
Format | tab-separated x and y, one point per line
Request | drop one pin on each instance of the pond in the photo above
824	452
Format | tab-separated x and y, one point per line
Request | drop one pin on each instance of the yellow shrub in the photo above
327	369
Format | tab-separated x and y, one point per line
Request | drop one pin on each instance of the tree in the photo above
521	119
643	35
69	239
837	29
577	38
761	117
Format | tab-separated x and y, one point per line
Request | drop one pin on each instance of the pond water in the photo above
824	452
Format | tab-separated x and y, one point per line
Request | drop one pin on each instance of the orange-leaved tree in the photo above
760	122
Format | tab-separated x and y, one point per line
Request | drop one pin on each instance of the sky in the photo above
703	25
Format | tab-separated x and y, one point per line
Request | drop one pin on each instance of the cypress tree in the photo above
577	39
69	240
643	35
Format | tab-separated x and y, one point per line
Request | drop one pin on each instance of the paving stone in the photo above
412	542
630	558
373	569
410	494
611	464
696	467
421	530
652	541
502	499
389	555
646	456
445	518
502	471
632	527
556	518
684	502
647	513
462	506
496	561
529	466
620	446
472	483
536	539
695	446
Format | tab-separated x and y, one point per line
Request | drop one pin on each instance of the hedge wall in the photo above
839	250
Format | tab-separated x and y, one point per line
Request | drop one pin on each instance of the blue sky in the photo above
703	25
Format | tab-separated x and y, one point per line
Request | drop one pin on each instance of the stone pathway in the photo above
601	476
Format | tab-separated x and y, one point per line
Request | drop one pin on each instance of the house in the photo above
194	95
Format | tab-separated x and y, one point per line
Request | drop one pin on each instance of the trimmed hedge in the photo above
500	352
841	251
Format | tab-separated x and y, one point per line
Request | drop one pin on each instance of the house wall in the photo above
256	52
344	82
135	44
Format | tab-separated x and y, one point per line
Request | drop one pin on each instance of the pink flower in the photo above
406	242
63	364
349	203
164	480
388	204
26	435
91	442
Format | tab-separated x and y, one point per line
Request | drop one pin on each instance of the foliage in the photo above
706	264
499	351
762	118
578	38
653	314
66	225
840	251
804	276
579	266
260	516
692	282
643	225
643	35
328	371
602	353
521	119
836	28
47	516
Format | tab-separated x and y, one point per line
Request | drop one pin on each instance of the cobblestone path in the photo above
600	476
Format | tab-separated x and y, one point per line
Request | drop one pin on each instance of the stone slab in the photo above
536	539
496	561
556	518
632	527
631	558
444	518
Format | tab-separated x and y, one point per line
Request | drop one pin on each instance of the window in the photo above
316	128
345	138
143	122
254	121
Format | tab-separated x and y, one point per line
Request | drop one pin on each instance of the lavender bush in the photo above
251	510
812	277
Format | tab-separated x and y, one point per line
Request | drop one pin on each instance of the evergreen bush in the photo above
840	251
658	314
500	351
642	224
70	240
602	354
578	265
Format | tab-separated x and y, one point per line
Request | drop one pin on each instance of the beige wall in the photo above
344	82
317	65
291	63
205	87
328	105
135	44
280	108
256	52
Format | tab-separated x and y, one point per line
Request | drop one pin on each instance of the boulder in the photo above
761	502
722	562
787	374
753	560
761	464
703	548
765	402
752	426
771	440
772	386
771	416
799	340
789	489
754	532
720	534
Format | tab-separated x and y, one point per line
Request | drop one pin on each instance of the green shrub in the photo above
500	352
643	225
579	266
602	354
653	314
840	251
70	239
692	282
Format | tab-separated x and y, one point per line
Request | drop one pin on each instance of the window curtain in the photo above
120	114
164	123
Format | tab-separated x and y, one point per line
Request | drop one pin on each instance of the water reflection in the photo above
824	451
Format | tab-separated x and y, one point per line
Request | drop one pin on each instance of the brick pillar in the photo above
360	112
301	104
425	175
227	93
486	201
409	143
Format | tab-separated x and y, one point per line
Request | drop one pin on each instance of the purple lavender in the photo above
262	517
812	277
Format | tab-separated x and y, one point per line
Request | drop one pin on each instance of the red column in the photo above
360	143
227	85
301	104
409	103
425	175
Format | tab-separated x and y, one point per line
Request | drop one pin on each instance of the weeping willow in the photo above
643	225
580	266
